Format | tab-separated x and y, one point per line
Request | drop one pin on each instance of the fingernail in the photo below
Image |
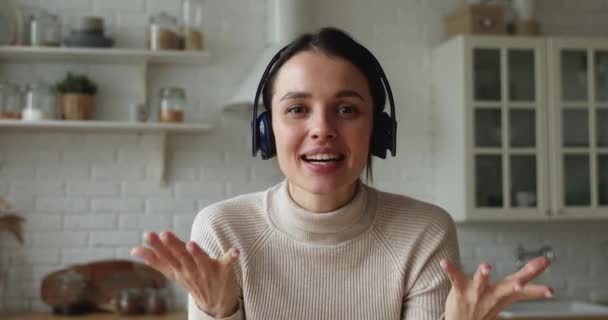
164	235
444	264
517	287
236	252
549	293
485	271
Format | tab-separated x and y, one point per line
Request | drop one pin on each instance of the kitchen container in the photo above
40	102
476	19
162	33
10	101
172	104
45	30
192	24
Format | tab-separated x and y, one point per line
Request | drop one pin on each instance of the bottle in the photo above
45	30
40	100
162	33
192	24
172	104
10	101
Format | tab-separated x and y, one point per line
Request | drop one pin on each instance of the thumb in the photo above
230	257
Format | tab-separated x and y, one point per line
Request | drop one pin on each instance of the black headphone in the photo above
384	132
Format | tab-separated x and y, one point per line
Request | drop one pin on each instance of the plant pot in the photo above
76	106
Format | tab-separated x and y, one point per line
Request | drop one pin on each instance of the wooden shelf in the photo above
102	55
114	126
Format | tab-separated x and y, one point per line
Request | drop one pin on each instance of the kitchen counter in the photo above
94	316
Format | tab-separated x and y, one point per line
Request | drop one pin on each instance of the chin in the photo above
323	185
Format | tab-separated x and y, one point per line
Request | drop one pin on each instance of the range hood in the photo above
287	19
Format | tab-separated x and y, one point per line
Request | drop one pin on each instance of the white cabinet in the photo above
522	128
578	91
491	141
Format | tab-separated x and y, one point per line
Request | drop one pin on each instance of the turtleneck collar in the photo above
329	228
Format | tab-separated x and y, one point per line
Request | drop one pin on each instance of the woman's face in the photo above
322	120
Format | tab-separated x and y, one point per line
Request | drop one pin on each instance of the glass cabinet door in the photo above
583	124
506	128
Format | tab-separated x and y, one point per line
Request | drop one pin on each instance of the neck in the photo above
321	203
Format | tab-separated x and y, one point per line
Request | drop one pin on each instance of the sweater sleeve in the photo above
426	298
203	234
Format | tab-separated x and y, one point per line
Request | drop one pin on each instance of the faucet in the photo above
524	255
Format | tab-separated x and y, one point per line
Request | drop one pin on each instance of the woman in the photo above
322	244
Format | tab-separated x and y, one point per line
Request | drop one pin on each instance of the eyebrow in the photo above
340	94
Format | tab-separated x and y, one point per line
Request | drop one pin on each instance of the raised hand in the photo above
477	299
210	282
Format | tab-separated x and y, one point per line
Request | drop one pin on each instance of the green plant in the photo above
76	84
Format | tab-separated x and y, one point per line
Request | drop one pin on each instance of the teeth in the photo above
323	157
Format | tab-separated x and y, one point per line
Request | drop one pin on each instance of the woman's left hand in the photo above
477	299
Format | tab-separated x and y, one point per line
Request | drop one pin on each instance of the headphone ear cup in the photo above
382	135
266	135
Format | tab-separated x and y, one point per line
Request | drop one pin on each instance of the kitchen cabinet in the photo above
522	128
140	58
578	88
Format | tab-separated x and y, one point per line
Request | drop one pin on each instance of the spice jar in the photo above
162	33
40	102
192	24
172	104
45	30
10	101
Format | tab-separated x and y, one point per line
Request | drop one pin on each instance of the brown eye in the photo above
347	111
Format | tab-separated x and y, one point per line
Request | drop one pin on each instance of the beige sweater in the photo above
375	258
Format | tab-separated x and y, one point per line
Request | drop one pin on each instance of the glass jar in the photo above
45	30
40	102
10	101
129	302
192	24
162	33
172	104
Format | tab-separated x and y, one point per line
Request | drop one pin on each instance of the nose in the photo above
323	126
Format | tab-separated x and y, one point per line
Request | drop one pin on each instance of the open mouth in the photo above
323	158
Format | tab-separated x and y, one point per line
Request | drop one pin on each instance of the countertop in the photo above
93	316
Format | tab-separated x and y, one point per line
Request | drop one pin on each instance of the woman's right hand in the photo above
210	282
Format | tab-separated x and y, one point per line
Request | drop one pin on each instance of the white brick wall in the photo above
90	196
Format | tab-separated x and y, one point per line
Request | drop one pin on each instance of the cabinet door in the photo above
580	116
508	150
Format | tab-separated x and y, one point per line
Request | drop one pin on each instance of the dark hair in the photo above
335	42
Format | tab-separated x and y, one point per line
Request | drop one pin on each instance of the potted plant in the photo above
76	94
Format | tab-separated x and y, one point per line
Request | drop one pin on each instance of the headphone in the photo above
384	132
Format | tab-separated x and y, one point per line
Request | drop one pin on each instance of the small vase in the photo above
76	106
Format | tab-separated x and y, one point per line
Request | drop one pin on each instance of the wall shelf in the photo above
104	126
102	55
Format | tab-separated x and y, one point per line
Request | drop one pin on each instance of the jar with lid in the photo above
40	102
192	24
156	301
172	104
45	30
162	33
10	101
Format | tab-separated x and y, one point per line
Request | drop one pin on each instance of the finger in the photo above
200	257
150	259
531	270
480	280
230	257
178	250
456	277
161	250
529	292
